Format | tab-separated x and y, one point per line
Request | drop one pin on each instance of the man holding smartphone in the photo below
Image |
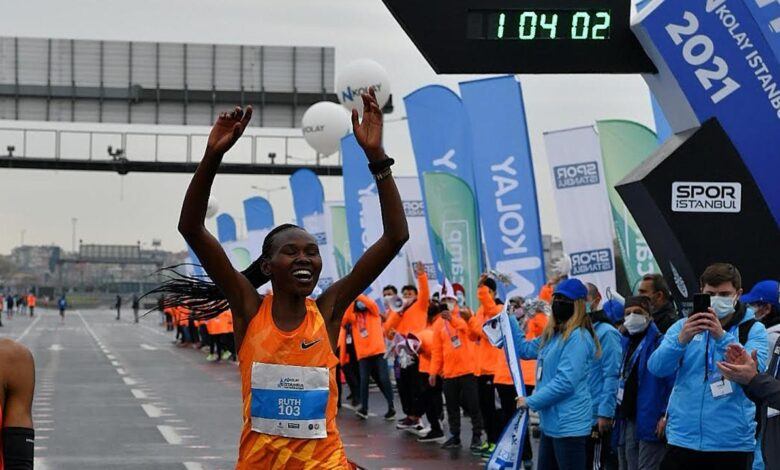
711	422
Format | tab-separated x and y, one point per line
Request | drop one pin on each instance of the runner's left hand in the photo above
368	131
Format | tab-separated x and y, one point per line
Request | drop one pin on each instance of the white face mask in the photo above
636	323
723	306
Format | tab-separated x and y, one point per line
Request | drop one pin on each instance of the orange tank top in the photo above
288	384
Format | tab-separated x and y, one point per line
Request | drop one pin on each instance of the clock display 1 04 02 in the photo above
539	24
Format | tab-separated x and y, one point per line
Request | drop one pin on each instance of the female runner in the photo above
285	341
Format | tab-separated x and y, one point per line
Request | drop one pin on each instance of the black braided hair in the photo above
201	295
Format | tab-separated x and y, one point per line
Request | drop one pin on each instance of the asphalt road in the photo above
118	395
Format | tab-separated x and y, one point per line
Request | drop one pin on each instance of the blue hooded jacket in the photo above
697	420
561	395
604	372
652	392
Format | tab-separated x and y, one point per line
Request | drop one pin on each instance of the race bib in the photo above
455	342
289	401
538	372
621	391
364	333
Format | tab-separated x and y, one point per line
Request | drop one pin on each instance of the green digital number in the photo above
551	26
580	25
526	30
600	27
501	23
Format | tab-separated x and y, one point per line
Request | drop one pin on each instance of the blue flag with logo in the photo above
358	184
259	214
441	138
503	332
226	228
308	196
504	180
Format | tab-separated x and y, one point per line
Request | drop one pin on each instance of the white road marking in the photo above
40	464
110	357
151	410
44	421
169	434
44	429
193	466
174	420
121	371
114	363
29	327
55	347
147	347
129	381
139	394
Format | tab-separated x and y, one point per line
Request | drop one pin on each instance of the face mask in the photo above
461	300
562	311
636	323
723	306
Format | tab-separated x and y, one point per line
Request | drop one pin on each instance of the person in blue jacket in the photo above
564	353
642	397
603	384
711	422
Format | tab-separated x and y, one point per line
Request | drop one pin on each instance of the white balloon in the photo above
356	78
212	207
324	124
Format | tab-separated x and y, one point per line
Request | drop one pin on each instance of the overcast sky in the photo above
121	210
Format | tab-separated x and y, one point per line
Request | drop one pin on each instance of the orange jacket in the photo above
426	348
182	316
415	317
31	299
488	356
366	328
221	324
533	329
447	360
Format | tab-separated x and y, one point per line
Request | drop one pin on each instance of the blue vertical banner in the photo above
441	138
309	203
662	128
259	214
226	228
308	196
358	185
505	186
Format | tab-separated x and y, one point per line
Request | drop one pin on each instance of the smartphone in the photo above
701	302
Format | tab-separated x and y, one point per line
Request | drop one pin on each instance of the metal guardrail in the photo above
144	148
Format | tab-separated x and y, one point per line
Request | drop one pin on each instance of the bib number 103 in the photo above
698	50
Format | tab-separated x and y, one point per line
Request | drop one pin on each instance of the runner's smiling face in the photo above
295	263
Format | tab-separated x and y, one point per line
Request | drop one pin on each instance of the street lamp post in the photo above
73	222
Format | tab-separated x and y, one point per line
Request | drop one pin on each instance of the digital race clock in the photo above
523	36
530	25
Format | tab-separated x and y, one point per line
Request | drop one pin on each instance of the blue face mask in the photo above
723	306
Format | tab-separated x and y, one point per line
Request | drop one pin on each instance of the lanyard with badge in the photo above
719	386
454	338
625	372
